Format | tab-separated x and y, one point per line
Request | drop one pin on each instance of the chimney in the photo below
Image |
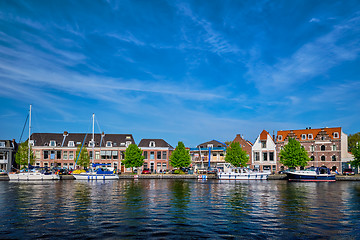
65	133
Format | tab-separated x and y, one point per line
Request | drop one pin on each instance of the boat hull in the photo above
310	177
89	176
243	176
32	177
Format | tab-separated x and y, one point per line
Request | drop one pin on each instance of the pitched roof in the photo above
43	139
215	143
263	135
297	133
240	140
158	143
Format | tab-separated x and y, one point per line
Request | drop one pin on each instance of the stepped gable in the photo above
317	133
43	139
158	143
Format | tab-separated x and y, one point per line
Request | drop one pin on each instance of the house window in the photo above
280	137
164	155
2	144
333	158
91	154
164	166
322	158
122	155
52	143
322	148
71	144
37	154
271	156
312	158
97	155
158	155
46	154
263	144
303	136
145	165
108	154
334	147
3	156
58	154
91	144
265	156
108	144
145	155
128	143
336	135
310	136
31	142
152	144
312	148
71	155
210	146
257	156
65	155
152	155
115	154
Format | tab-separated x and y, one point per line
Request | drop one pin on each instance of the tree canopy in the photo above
356	152
236	156
21	156
180	156
294	155
133	157
353	140
83	159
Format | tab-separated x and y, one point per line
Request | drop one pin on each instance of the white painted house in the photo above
264	152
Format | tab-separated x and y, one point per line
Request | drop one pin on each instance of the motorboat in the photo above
312	174
228	172
99	172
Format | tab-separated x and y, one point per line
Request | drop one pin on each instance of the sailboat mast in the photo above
29	136
93	138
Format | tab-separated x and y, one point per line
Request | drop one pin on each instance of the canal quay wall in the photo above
193	176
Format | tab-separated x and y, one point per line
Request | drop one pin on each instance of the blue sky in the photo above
188	71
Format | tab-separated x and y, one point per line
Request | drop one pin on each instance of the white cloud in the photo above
314	20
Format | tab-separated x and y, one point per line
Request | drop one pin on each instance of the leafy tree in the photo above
133	157
293	154
180	157
353	140
236	156
356	152
21	156
82	160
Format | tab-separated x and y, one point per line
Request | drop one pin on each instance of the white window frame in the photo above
152	144
310	136
52	143
303	136
2	144
71	144
280	137
336	135
108	144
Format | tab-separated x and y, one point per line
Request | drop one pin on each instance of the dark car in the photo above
348	171
146	171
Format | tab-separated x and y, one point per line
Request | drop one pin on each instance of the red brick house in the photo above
157	154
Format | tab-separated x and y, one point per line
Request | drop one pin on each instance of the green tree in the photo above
236	156
133	157
82	160
21	156
353	140
356	152
180	157
293	154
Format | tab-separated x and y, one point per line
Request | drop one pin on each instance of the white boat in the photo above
34	175
227	172
97	171
311	174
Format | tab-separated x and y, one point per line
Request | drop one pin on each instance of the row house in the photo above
246	146
208	154
56	149
325	146
156	154
7	154
264	152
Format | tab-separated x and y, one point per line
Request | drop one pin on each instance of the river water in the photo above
180	209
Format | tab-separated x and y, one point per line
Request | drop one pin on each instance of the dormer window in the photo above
32	143
152	144
280	137
91	144
128	143
2	144
52	143
71	144
336	135
210	146
303	136
108	144
128	137
310	136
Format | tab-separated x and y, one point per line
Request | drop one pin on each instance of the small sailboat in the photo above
34	174
97	171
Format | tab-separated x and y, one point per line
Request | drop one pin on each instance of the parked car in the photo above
348	171
146	171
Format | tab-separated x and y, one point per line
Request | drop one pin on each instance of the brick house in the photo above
200	154
264	152
59	149
7	154
157	154
245	145
325	146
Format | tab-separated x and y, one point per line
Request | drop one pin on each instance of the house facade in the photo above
247	146
208	154
264	153
325	146
156	154
7	154
59	149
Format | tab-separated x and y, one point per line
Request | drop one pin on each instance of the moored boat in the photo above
228	172
100	172
312	174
